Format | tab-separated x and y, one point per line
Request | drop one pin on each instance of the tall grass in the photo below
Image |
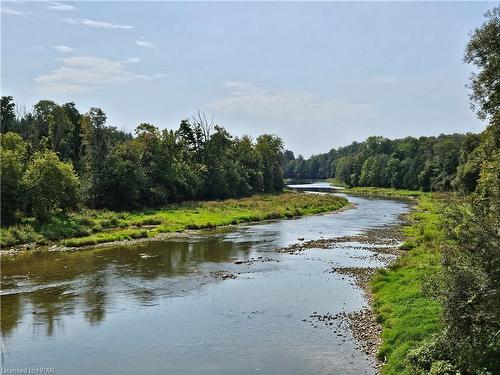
90	227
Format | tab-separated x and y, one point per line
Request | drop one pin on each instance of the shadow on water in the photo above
53	283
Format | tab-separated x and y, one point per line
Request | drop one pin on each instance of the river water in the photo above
157	308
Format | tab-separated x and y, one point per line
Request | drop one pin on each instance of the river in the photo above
171	307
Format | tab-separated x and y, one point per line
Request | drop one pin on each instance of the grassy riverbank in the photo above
387	192
407	313
90	227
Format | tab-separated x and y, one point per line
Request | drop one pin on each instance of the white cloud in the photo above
85	73
95	24
61	7
64	49
246	99
307	121
13	12
142	42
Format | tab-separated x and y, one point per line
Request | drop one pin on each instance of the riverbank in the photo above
411	195
402	304
93	227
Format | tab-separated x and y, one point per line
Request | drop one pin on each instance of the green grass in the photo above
125	234
407	314
89	227
336	182
387	192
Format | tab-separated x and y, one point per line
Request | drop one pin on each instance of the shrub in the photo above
51	185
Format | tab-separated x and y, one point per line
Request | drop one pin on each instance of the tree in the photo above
471	261
123	178
61	134
12	155
39	130
75	117
157	162
51	186
343	169
95	147
221	169
270	149
393	173
483	50
7	114
471	269
470	163
444	163
248	165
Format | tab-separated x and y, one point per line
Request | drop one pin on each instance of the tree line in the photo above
54	159
442	163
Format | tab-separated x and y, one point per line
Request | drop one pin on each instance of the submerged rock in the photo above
223	275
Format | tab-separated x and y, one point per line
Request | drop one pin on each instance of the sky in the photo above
320	75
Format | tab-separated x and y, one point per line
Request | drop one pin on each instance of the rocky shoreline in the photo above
384	243
385	239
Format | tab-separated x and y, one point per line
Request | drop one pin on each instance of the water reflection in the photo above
10	311
53	284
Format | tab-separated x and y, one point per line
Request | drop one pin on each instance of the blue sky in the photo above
320	75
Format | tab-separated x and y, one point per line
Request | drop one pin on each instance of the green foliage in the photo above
426	163
422	358
20	234
12	155
468	248
270	149
126	234
471	270
123	178
387	192
470	341
116	170
51	185
7	114
483	50
471	156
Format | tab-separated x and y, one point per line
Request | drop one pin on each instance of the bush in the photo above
443	368
19	234
51	185
12	152
423	357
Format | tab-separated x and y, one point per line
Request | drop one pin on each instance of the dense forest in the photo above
54	159
442	163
